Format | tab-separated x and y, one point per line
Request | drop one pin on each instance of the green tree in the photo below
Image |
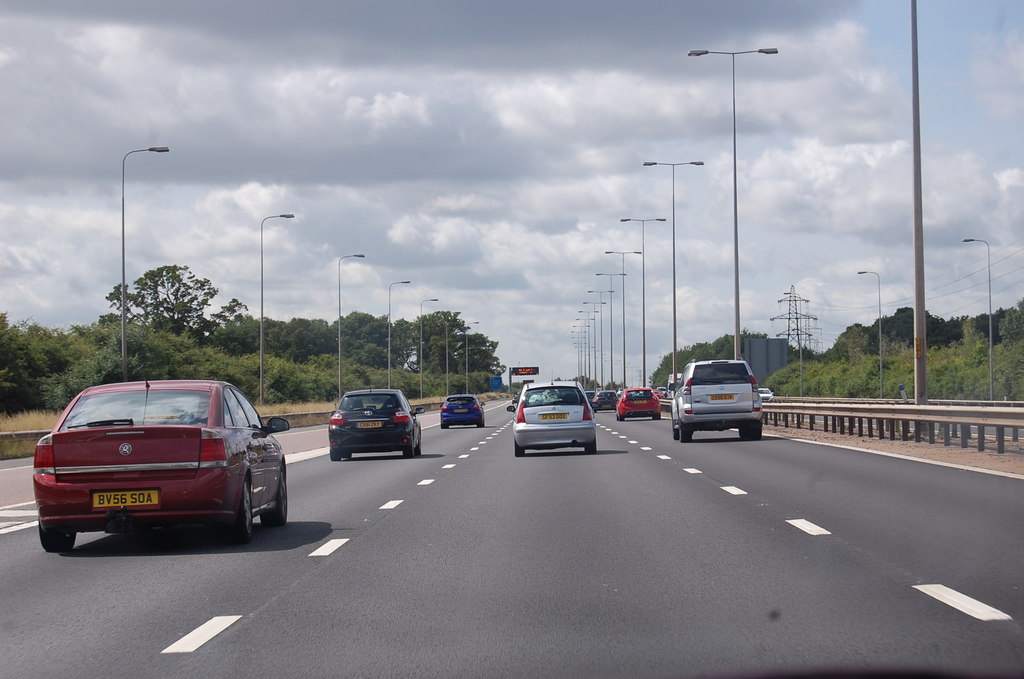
171	298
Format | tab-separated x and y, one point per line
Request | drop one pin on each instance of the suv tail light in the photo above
44	461
753	381
687	386
212	451
337	419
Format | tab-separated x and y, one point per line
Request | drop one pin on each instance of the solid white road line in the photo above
391	504
202	634
18	513
329	547
962	602
18	526
808	527
291	458
733	490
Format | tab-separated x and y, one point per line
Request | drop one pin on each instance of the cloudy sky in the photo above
488	151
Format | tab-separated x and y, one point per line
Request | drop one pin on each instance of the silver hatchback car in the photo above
553	415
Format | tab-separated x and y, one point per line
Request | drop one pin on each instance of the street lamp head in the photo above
968	240
660	219
696	162
288	215
359	256
768	50
648	163
860	272
432	299
158	149
625	219
697	53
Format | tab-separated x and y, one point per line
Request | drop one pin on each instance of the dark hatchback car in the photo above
142	454
604	400
461	409
374	421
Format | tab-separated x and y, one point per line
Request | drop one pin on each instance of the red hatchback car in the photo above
638	402
159	453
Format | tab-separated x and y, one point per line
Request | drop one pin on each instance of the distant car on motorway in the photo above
374	421
661	392
715	396
462	409
553	415
638	402
766	394
604	400
140	454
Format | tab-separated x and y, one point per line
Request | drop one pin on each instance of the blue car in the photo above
461	409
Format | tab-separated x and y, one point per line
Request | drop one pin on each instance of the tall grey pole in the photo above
737	344
419	356
391	285
124	281
991	372
284	216
920	313
675	324
339	320
881	386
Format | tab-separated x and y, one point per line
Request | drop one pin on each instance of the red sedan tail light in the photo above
212	451
44	462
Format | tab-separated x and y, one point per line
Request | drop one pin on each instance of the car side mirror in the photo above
277	424
420	410
511	409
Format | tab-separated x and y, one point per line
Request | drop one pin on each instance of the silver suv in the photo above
715	396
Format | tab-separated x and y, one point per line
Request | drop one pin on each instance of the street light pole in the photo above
466	332
611	330
391	285
881	386
284	216
675	325
600	295
643	285
124	282
597	311
735	202
623	274
991	380
339	319
419	356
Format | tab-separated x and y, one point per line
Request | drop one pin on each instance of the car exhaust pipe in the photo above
119	521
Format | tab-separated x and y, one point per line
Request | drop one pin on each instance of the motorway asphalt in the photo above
651	558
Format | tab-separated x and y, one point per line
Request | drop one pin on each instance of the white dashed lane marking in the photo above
962	602
200	635
733	490
391	504
425	482
329	547
692	470
808	527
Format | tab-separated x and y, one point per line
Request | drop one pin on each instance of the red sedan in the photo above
159	453
638	402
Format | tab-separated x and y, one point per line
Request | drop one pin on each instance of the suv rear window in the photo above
720	373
